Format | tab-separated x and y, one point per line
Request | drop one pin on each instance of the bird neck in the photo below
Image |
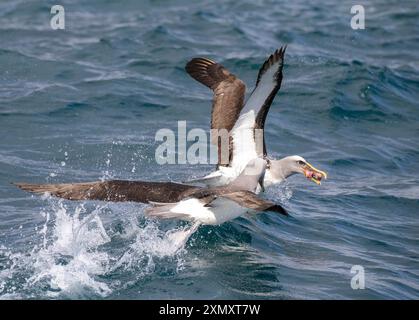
281	170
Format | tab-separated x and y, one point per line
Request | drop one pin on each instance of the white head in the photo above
285	167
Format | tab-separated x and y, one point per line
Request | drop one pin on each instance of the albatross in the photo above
242	120
217	205
228	112
171	200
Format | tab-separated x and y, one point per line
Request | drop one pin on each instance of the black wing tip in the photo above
274	57
278	55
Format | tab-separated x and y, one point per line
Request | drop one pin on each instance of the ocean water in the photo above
84	103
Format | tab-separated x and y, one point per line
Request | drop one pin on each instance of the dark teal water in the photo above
84	103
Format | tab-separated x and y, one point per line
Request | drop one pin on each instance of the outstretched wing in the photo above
228	90
246	141
252	201
228	99
268	84
114	190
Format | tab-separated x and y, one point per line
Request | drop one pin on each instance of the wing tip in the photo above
278	55
198	64
38	188
199	69
26	186
211	73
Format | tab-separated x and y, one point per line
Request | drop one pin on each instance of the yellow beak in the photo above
314	174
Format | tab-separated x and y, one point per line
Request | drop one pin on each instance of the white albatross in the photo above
242	121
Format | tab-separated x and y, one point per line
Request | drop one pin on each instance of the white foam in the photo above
152	243
75	257
75	241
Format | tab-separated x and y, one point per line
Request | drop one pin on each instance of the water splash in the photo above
281	193
153	245
70	256
75	257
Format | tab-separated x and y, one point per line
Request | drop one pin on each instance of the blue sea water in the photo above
84	103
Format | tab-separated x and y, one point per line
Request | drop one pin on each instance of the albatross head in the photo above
279	170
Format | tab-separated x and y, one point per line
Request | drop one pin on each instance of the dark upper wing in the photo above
252	201
115	190
228	90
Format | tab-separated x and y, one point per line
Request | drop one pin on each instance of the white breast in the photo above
226	210
195	211
269	180
222	210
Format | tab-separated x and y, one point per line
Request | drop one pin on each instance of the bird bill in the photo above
314	174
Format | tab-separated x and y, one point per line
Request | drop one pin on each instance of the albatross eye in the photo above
301	163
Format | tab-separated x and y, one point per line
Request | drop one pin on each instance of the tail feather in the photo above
163	211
